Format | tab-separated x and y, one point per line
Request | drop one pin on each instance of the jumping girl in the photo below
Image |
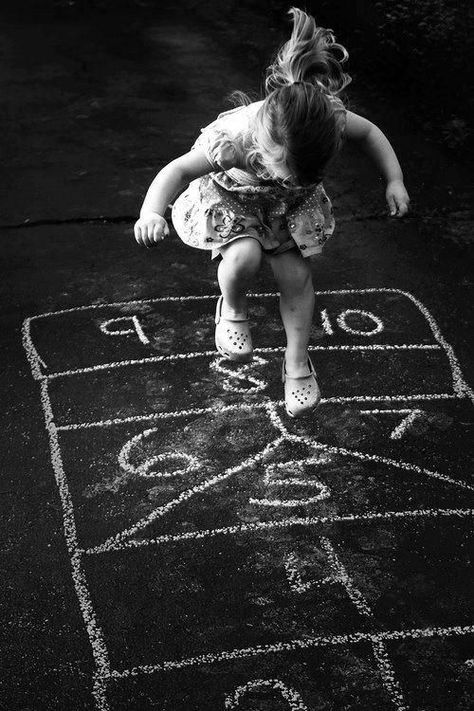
253	188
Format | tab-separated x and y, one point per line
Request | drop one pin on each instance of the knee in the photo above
244	257
297	281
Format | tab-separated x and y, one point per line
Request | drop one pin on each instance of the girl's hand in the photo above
397	198
150	229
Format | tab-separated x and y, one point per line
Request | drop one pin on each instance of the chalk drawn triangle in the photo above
341	484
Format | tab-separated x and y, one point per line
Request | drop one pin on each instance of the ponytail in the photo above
310	55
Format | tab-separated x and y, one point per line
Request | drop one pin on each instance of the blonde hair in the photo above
310	55
301	114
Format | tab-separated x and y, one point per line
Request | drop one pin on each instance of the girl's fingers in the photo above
139	235
391	205
150	234
145	236
402	205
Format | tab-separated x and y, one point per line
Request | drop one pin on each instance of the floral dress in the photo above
230	202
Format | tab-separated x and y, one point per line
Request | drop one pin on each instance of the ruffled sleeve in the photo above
222	142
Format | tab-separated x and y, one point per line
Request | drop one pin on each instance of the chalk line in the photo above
208	354
153	416
405	424
340	575
96	637
306	643
259	526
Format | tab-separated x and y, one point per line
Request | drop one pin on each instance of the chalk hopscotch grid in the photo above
96	637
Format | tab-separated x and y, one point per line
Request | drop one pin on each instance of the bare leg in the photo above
293	277
240	263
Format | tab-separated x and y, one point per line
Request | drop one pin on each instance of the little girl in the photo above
253	180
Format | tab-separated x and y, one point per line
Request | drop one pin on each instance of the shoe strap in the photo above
219	317
311	374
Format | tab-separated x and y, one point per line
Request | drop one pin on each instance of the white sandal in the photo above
302	394
233	339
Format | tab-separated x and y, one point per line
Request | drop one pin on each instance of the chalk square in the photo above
148	388
201	597
326	677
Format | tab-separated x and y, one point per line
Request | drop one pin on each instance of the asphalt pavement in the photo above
171	539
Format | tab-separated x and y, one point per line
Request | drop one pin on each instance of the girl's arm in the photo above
151	227
371	139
